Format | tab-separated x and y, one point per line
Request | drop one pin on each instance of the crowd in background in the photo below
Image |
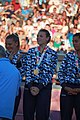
27	17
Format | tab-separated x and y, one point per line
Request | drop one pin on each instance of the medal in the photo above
36	71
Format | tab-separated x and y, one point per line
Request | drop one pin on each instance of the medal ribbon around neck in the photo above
77	61
39	59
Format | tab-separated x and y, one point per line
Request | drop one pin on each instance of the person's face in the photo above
41	38
10	45
76	43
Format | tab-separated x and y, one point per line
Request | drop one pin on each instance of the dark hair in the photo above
27	40
15	38
77	35
47	33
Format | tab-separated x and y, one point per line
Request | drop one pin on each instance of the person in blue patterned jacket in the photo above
69	77
41	63
16	57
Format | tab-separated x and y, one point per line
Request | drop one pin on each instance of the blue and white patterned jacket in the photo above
46	67
68	70
18	64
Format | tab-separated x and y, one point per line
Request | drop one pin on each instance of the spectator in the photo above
40	65
70	36
24	45
64	27
32	13
16	4
9	82
34	42
25	12
69	77
57	41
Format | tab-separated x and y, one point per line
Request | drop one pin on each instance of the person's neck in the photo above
42	47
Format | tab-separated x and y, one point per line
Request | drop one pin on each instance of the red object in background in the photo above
16	5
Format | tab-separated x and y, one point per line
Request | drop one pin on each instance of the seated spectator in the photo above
24	44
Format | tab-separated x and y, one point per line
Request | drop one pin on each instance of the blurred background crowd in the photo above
27	17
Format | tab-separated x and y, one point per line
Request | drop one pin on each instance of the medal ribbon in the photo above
39	59
77	62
